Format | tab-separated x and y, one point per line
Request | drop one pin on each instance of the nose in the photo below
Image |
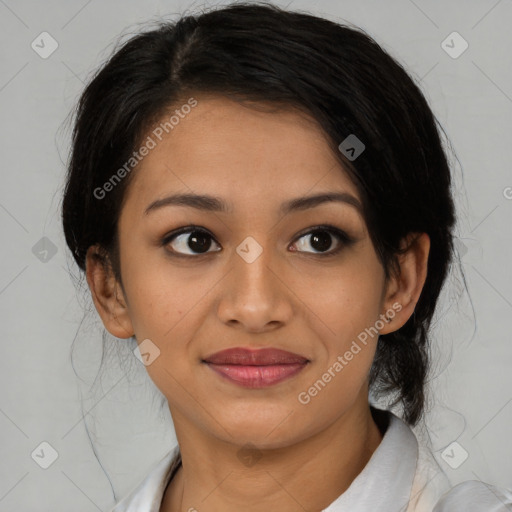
255	296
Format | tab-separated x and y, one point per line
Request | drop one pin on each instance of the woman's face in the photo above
260	276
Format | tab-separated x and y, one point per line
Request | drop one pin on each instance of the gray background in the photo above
43	399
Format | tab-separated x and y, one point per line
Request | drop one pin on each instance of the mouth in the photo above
256	368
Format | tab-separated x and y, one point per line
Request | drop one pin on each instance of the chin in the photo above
278	429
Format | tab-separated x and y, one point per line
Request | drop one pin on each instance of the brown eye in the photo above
193	241
189	242
320	240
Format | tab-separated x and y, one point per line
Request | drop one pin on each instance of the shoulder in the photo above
475	496
432	490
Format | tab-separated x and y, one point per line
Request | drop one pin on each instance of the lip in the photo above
256	368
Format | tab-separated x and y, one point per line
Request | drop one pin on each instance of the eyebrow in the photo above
217	204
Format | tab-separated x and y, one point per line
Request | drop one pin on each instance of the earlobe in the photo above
107	294
404	290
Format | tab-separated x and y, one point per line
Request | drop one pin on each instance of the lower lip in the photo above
257	376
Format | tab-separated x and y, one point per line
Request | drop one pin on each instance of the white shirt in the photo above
401	476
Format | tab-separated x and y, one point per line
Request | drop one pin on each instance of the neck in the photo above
307	475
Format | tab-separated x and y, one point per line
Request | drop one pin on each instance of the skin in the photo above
294	300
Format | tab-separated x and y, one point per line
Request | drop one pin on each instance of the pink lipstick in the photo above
256	368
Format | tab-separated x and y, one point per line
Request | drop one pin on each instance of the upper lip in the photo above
254	357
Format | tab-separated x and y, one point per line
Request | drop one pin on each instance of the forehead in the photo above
240	153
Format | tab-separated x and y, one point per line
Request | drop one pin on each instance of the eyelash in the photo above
342	237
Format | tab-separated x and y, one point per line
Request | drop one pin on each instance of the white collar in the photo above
384	484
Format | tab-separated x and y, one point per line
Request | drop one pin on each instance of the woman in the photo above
210	158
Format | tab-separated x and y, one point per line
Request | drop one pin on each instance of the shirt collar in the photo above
384	483
147	496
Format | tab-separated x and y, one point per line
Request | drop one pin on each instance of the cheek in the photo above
345	301
168	306
159	293
164	308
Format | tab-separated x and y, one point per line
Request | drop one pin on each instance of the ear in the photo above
107	294
403	290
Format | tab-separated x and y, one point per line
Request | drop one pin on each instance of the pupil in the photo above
201	240
319	242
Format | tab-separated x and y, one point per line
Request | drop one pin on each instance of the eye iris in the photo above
321	242
197	241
